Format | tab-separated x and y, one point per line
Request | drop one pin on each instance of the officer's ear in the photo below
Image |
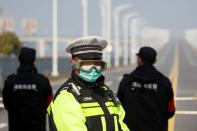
72	62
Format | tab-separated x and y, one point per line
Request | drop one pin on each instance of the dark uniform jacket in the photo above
83	106
147	97
26	96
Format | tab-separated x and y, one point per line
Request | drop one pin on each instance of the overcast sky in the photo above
165	14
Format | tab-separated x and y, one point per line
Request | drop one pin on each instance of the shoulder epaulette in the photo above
75	88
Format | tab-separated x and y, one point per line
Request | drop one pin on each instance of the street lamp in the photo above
85	17
116	31
55	40
142	36
103	17
106	28
134	34
108	17
126	36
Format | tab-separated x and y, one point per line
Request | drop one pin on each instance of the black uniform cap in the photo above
147	54
27	55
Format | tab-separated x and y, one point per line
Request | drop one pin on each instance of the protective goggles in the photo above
88	65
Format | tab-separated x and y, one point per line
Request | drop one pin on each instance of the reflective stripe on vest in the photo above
103	121
95	104
94	109
109	104
116	123
86	105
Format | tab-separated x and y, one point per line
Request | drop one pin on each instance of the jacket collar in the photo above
146	73
27	69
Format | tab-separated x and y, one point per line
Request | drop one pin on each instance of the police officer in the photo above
26	95
84	102
146	95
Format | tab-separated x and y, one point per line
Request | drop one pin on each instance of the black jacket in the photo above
26	96
147	97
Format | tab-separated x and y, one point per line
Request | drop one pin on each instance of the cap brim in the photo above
90	56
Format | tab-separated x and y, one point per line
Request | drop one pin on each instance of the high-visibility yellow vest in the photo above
78	109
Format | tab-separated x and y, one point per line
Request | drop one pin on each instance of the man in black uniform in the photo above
26	95
146	95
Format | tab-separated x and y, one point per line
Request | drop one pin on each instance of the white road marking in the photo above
2	125
186	112
174	74
186	98
1	98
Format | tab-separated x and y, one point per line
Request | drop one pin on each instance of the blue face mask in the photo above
91	76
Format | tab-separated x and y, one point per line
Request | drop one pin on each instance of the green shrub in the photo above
9	43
